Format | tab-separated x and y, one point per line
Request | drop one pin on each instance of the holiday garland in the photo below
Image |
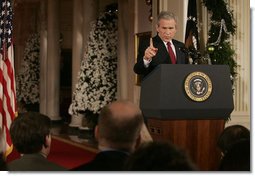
97	80
28	79
222	27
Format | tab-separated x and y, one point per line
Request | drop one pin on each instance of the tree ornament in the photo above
210	49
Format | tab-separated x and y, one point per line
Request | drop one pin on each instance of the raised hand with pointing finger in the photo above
151	51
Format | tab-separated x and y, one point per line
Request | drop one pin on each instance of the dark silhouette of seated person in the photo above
237	157
118	134
230	135
3	166
159	156
30	134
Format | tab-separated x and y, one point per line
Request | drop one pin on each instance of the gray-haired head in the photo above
167	16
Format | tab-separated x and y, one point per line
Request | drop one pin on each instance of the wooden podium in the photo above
192	120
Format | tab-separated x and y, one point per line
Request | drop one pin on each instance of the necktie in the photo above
171	53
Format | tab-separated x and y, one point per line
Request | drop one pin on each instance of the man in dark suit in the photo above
118	134
30	134
161	49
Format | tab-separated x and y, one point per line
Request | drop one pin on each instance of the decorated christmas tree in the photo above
218	46
27	80
97	78
221	28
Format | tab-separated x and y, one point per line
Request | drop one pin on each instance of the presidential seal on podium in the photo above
198	86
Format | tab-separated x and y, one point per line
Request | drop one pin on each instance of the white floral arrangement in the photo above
27	80
97	78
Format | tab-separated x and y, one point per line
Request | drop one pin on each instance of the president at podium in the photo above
161	49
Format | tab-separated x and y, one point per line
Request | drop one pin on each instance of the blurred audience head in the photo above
30	133
159	156
230	135
119	126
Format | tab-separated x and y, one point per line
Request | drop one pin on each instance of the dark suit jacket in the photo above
33	162
162	56
105	161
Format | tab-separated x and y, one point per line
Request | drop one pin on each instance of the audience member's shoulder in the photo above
237	158
34	163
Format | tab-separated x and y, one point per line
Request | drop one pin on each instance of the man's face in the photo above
166	29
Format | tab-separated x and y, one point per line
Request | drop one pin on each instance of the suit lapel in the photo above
177	51
162	51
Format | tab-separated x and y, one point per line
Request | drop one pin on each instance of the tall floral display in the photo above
27	79
97	78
